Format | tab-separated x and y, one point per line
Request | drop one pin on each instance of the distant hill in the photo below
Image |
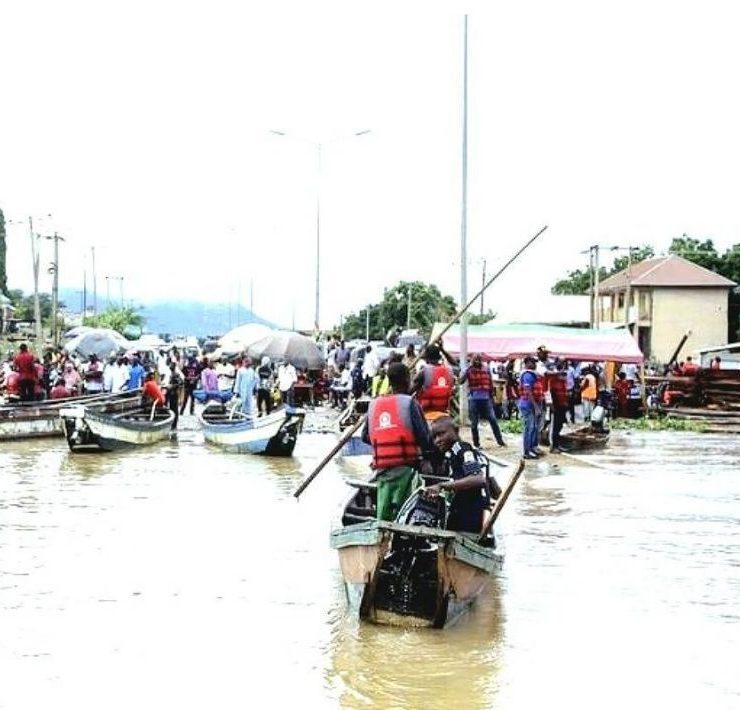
182	317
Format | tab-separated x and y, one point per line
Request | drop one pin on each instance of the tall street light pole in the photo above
464	226
319	147
55	289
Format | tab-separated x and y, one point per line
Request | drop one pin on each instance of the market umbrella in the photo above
103	343
297	349
240	338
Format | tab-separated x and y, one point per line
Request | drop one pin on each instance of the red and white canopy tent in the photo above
507	341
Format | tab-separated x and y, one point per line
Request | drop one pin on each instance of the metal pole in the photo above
591	286
36	302
628	293
597	295
94	284
318	236
464	227
55	294
483	283
367	324
408	309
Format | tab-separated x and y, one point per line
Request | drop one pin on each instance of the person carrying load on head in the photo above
399	435
434	385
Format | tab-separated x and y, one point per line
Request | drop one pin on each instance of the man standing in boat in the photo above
396	430
435	384
25	366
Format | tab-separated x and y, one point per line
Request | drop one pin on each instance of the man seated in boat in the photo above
152	393
396	430
468	482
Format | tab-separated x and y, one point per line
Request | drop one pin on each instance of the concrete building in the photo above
664	298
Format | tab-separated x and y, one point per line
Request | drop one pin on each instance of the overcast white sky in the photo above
143	128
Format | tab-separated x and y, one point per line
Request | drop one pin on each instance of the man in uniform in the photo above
468	485
396	430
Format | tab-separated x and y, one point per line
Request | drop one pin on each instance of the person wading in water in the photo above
396	430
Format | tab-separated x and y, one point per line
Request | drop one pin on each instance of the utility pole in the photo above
36	303
483	286
597	295
408	309
318	237
367	324
94	284
464	227
628	291
55	290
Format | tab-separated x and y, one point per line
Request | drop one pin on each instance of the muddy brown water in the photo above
179	576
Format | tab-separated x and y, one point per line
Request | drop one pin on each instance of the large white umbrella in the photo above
240	338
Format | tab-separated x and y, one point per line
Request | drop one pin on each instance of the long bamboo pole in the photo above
351	430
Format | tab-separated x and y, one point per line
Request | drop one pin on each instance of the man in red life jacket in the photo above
689	367
480	399
435	384
400	438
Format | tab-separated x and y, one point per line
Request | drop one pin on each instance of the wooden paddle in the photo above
501	501
351	430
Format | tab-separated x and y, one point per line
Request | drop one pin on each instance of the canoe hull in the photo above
39	420
584	440
90	431
274	435
411	576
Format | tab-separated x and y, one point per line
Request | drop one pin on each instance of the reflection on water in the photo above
179	576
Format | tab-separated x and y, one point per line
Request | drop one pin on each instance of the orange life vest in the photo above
437	389
391	432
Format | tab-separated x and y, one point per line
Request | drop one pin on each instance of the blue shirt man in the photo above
136	376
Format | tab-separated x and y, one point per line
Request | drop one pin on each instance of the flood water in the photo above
183	577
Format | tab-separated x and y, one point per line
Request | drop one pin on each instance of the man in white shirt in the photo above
370	365
226	373
287	377
120	376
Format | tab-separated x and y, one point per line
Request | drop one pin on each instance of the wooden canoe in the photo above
408	575
31	420
89	429
273	435
584	439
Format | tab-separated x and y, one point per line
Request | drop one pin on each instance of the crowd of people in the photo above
169	378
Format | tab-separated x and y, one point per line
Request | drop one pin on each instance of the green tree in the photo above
702	253
121	319
3	253
428	306
578	282
24	305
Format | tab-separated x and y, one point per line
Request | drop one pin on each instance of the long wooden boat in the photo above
30	420
89	429
410	575
584	439
273	435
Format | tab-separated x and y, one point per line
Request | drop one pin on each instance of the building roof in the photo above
665	271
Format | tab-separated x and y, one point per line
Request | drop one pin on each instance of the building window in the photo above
620	301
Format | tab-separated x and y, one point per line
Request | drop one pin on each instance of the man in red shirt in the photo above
152	392
25	364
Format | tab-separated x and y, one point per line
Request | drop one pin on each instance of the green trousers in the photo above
395	485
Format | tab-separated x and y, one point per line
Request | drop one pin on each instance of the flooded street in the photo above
178	576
